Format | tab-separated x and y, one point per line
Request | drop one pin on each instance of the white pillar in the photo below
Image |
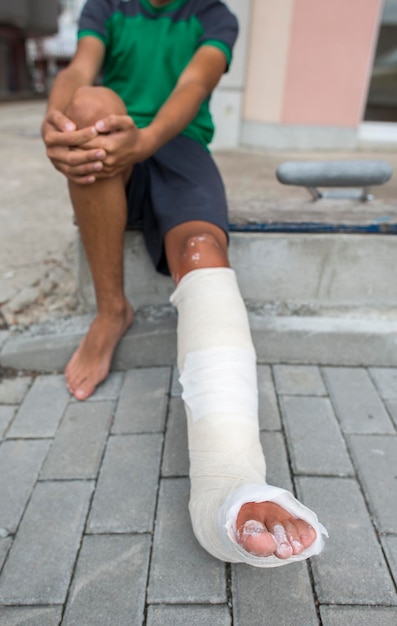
227	100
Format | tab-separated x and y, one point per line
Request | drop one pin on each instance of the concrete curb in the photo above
151	342
4	335
325	341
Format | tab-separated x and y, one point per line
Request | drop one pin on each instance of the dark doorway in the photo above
382	95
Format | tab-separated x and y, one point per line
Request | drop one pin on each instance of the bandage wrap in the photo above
217	364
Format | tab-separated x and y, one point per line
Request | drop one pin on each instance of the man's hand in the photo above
65	148
123	143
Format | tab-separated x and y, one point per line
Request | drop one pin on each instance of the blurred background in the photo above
306	74
309	78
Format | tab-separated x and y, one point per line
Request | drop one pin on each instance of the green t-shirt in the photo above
148	47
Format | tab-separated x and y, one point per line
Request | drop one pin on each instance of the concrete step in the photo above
319	273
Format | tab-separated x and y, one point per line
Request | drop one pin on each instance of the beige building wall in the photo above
268	59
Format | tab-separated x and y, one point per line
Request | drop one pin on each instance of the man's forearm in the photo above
177	112
195	84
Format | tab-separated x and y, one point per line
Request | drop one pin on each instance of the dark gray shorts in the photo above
179	183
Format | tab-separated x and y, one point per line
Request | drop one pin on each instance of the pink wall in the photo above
330	56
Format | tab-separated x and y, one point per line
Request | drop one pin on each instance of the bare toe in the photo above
284	549
84	391
307	534
255	538
265	528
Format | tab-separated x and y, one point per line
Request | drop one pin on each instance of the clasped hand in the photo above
103	150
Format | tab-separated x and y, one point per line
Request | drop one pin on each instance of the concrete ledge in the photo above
297	137
316	271
151	342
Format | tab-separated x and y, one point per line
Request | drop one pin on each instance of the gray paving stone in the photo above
13	390
315	441
356	401
30	616
20	464
176	455
42	408
40	563
110	582
163	615
299	380
108	390
176	387
279	596
5	543
78	446
277	467
375	458
386	381
126	493
391	406
390	545
143	401
181	571
351	569
7	412
358	616
269	416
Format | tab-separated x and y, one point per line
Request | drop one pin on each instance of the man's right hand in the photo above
64	148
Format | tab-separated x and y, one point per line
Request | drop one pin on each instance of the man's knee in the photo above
204	249
90	104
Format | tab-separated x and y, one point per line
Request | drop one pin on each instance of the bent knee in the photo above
204	250
90	104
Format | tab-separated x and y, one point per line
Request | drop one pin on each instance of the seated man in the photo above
136	150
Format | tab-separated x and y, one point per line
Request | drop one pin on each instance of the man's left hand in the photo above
123	142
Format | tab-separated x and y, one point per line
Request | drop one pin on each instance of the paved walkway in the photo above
94	528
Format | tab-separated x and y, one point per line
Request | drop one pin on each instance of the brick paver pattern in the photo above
94	525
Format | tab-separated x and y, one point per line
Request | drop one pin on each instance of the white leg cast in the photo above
217	362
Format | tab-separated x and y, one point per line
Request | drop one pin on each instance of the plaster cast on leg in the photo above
217	362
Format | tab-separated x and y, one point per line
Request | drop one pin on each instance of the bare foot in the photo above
265	528
90	364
